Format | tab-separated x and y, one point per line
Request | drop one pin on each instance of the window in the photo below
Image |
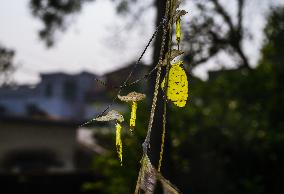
69	91
48	90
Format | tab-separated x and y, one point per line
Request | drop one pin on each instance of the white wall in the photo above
22	137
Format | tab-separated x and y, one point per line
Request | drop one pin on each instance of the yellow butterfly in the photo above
177	90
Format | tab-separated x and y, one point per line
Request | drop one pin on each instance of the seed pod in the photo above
174	53
110	116
132	96
177	90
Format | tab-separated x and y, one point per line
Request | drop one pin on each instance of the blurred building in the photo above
58	96
29	145
61	96
39	124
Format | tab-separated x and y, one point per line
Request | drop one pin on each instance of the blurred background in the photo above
228	139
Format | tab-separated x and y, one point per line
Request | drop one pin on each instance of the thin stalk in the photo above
166	93
146	143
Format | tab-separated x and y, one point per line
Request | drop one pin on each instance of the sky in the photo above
97	40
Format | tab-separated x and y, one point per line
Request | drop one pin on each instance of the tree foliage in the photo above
6	64
229	138
216	29
56	15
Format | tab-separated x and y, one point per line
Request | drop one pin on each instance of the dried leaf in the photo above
178	14
168	187
177	90
132	96
148	176
118	141
133	115
110	116
174	53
